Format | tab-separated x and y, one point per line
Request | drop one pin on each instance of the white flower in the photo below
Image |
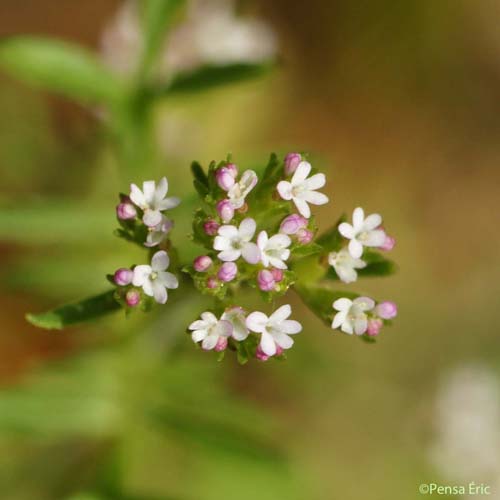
159	232
151	200
234	242
351	316
239	191
209	330
236	316
275	329
345	265
362	232
303	190
274	250
154	279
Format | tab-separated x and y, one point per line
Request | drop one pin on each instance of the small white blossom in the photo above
275	330
345	265
362	232
151	200
239	190
236	316
352	316
209	330
274	250
154	279
158	233
233	242
302	190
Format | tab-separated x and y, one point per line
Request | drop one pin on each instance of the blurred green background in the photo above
398	102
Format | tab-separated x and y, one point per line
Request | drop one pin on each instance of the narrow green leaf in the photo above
332	240
207	77
199	173
79	312
306	250
60	67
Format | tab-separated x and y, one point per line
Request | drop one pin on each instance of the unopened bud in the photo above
202	263
292	224
224	178
211	227
212	282
265	280
304	236
126	211
225	210
132	298
292	161
221	344
374	326
227	272
123	277
386	310
277	274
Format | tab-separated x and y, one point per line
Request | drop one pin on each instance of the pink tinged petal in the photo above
364	303
168	203
257	321
161	190
301	173
222	243
302	207
209	342
209	318
137	196
267	344
283	340
342	304
346	230
229	255
315	198
159	292
355	249
339	319
141	274
197	325
147	287
168	280
160	261
198	335
247	228
248	181
358	217
151	218
262	240
374	238
290	327
148	188
228	231
285	190
360	325
317	181
372	221
224	328
251	253
281	314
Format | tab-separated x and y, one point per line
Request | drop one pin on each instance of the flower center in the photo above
153	275
296	190
237	244
363	236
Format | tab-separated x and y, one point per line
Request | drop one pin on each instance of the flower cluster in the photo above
257	234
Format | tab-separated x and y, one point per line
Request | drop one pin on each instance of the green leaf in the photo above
208	76
79	312
377	266
319	299
332	240
158	16
306	250
60	67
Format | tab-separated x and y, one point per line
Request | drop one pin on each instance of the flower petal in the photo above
222	243
168	203
301	173
339	319
229	255
285	190
360	325
147	287
161	190
355	249
148	188
302	207
160	261
374	238
267	344
290	327
151	218
198	335
317	181
372	221
209	318
283	340
168	280
358	217
281	314
347	327
315	198
342	304
346	230
247	228
159	292
251	253
137	196
228	231
141	274
257	321
364	303
224	328
197	325
274	261
279	241
209	342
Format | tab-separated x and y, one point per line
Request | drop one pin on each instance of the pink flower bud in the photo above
279	350
374	326
292	161
260	354
387	310
277	274
123	277
266	281
221	344
212	282
304	236
225	210
388	244
292	223
132	298
211	227
232	169
227	272
224	178
126	211
202	263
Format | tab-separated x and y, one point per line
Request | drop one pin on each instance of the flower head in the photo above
362	232
239	191
154	279
157	234
233	242
275	330
151	200
345	265
209	331
274	250
236	316
352	316
386	310
266	280
302	190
